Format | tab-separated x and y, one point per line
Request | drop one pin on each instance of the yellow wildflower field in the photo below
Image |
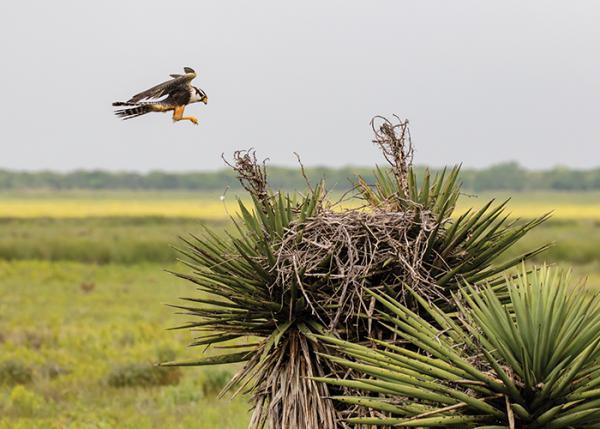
68	208
576	206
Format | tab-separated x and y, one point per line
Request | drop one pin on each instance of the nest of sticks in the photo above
335	255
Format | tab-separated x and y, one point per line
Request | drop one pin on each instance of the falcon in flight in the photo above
172	95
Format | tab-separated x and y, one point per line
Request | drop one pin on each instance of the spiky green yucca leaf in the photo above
533	362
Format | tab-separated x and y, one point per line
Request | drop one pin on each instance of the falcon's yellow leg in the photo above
178	115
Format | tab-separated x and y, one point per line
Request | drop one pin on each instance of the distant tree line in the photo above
506	176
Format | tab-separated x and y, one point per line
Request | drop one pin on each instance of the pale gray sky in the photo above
481	81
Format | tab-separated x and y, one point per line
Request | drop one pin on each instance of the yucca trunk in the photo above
285	393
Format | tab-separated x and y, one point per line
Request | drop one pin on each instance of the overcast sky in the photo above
481	81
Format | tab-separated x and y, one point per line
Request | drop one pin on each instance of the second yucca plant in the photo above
530	362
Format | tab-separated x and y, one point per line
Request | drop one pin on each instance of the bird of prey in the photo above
172	95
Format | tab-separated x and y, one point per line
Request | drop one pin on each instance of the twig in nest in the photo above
395	143
251	174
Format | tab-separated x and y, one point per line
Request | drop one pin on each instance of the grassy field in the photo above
98	240
150	239
82	319
83	339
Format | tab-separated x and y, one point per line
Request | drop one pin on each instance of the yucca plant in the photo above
297	266
530	362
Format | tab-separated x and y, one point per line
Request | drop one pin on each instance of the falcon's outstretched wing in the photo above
167	87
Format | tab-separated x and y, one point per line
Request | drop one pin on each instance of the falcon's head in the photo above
198	95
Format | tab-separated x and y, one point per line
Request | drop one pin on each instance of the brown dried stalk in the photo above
251	174
396	145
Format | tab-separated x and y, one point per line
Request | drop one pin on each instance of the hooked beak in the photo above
205	100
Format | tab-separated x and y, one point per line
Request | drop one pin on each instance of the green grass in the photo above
72	340
150	239
574	242
124	240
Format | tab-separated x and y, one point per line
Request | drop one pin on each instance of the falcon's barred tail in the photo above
135	111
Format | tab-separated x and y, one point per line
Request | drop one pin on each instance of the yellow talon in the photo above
178	115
